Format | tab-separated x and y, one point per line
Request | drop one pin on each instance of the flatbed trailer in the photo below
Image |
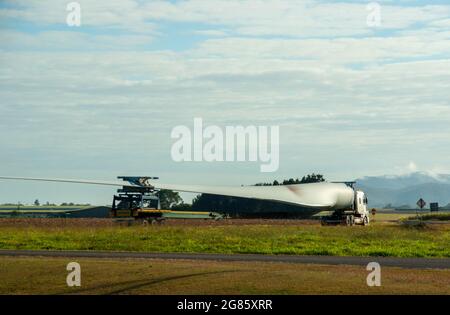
145	206
158	215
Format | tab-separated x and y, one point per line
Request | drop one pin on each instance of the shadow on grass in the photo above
136	284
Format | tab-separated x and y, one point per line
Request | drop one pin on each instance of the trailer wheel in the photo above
160	221
153	221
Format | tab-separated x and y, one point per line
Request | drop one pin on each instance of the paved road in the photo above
415	263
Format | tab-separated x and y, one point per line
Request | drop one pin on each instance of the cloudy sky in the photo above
100	100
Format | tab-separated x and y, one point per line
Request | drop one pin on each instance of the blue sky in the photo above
100	100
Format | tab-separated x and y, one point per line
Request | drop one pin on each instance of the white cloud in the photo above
70	41
119	15
250	18
211	33
444	23
361	103
412	167
292	18
343	50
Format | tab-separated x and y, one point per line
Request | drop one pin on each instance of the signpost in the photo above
421	203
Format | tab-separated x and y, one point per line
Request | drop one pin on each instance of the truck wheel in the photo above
365	221
348	220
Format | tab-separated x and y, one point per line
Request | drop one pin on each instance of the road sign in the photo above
434	206
421	203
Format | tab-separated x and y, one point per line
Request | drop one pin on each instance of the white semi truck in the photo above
348	205
355	213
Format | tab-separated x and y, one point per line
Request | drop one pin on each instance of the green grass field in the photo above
20	275
379	239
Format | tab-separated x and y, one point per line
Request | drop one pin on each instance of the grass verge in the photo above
375	240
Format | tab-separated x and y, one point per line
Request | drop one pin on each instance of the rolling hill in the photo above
402	190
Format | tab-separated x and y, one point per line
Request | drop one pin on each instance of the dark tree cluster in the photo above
169	199
310	178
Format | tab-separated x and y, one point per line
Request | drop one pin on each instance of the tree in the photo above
36	203
313	178
169	198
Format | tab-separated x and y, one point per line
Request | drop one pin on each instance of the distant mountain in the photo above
403	190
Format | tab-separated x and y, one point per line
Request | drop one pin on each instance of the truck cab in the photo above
360	202
361	215
356	213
